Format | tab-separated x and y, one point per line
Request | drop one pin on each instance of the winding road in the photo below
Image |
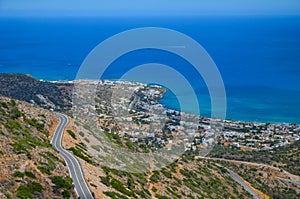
74	167
236	177
242	183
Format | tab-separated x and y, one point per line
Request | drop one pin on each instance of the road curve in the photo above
241	182
74	167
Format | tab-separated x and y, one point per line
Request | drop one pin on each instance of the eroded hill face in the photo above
30	167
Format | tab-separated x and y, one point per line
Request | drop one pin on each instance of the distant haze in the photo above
147	7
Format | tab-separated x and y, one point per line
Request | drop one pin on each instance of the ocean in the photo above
258	57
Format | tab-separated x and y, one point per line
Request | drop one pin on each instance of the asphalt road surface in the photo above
290	182
74	167
241	182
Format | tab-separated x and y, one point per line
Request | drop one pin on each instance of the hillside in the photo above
43	93
185	178
286	157
30	167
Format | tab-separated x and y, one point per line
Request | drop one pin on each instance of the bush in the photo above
105	180
15	113
114	195
79	154
161	197
12	125
66	194
26	191
61	182
19	174
3	104
81	133
116	184
35	123
72	134
166	173
12	102
154	189
155	177
44	170
186	173
29	174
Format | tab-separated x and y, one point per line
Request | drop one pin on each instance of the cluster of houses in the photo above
136	115
259	136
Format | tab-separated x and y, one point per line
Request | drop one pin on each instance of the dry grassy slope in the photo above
265	178
28	163
187	178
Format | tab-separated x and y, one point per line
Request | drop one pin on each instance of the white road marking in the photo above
56	142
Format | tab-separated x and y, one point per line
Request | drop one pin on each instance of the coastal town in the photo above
133	112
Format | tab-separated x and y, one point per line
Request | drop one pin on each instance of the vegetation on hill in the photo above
185	178
30	167
43	93
286	157
265	180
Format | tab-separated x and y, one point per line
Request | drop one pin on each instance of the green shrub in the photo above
253	169
3	104
161	197
61	182
26	191
29	174
19	174
12	102
186	173
166	173
81	133
13	125
44	170
154	189
116	184
66	194
114	195
33	122
105	180
42	115
15	113
79	154
46	133
7	196
72	134
155	177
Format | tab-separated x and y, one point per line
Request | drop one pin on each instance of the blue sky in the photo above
147	7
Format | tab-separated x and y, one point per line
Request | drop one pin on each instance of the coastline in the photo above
168	106
169	103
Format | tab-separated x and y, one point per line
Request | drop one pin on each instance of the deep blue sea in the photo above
257	56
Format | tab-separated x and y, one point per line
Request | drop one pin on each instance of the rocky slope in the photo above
30	167
49	95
